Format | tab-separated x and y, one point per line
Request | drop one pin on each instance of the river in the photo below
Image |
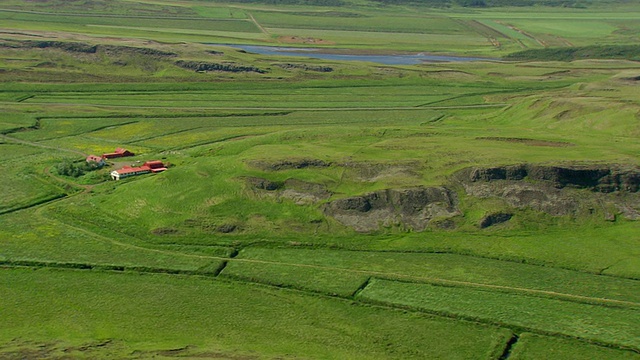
319	53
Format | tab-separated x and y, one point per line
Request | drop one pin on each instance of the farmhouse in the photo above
96	159
154	166
120	152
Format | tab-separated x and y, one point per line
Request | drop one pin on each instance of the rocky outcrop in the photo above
79	47
412	208
554	189
600	178
305	67
201	66
263	184
289	164
300	192
494	219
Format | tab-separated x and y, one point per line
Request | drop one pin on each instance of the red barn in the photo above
155	166
120	152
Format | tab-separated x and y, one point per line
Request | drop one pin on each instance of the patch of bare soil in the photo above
164	231
411	209
300	192
303	40
210	226
372	172
189	352
530	142
22	349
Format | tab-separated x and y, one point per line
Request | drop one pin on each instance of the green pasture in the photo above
61	21
28	236
61	128
362	25
531	346
256	272
554	246
316	267
151	313
598	323
113	8
24	184
367	23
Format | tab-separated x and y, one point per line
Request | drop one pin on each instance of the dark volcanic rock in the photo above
305	67
358	204
92	49
289	164
263	184
494	219
66	46
553	189
206	66
411	208
600	178
118	49
226	228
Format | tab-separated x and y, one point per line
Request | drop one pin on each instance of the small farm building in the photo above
154	166
120	152
96	159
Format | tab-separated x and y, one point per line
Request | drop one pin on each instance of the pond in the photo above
319	53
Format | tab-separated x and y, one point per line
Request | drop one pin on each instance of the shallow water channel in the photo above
319	53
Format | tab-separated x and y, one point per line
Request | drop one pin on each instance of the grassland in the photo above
593	322
178	311
234	251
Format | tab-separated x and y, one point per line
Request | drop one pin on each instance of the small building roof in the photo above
129	169
119	152
149	166
154	164
95	158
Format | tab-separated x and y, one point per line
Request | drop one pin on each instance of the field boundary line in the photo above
35	144
291	109
391	275
253	19
6	264
388	275
458	283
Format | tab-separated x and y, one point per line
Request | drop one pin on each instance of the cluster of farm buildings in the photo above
153	166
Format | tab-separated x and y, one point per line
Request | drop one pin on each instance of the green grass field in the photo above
241	249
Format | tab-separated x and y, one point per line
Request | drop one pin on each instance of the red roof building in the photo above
120	152
96	159
154	166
